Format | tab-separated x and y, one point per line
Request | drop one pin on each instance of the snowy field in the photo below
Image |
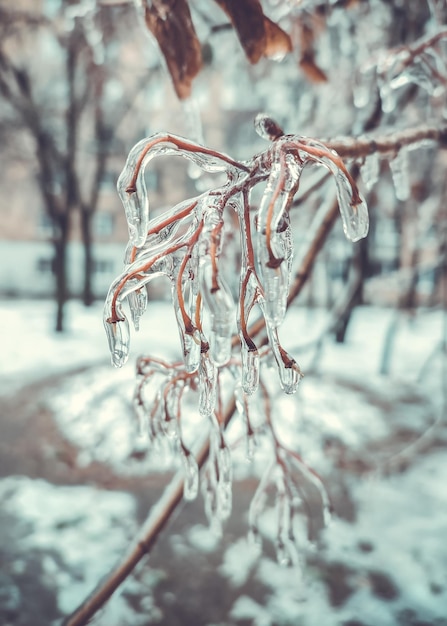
383	559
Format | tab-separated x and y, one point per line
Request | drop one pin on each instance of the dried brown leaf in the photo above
171	24
278	42
247	19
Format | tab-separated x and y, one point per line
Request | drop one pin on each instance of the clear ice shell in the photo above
118	336
220	305
131	184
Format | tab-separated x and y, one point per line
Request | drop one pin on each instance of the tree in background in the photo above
59	74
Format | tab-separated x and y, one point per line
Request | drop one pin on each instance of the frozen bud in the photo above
267	128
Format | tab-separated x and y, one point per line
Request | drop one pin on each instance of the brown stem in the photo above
155	523
181	144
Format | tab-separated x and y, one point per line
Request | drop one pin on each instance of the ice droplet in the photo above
118	336
399	167
191	477
250	369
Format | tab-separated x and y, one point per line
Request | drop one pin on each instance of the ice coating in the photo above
131	184
193	245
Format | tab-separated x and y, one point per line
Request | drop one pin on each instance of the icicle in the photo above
289	371
369	171
191	342
191	476
219	303
136	208
137	303
352	205
400	173
354	216
272	268
210	495
250	369
286	553
207	386
118	336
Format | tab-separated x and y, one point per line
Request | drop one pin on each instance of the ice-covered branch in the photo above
390	144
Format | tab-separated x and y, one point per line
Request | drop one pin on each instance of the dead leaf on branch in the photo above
259	36
171	24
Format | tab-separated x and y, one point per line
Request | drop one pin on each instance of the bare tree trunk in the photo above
88	296
60	272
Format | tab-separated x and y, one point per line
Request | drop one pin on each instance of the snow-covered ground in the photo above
389	556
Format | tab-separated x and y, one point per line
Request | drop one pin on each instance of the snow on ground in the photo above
31	350
80	530
392	556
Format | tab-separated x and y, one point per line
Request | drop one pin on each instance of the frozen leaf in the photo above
170	23
259	36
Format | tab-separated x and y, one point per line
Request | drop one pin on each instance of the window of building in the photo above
45	225
103	266
103	224
45	265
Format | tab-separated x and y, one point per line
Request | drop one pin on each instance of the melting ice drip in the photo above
186	244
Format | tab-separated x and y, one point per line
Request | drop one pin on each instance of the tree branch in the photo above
363	146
